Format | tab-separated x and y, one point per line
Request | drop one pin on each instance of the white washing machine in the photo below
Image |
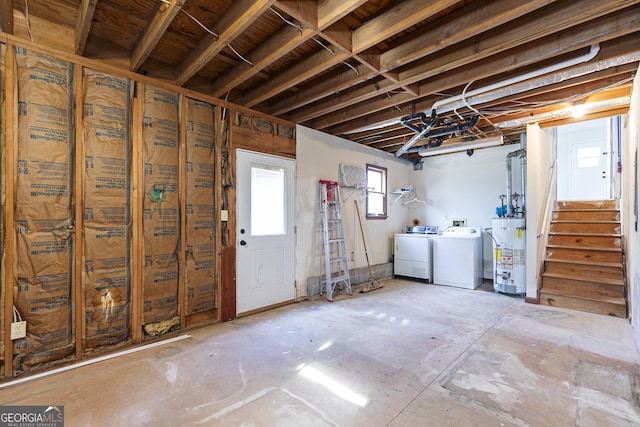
457	257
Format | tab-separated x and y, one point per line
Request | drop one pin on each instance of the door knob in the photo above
243	243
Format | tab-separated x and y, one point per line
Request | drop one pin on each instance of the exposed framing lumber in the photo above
471	20
466	51
78	311
137	193
321	89
399	18
468	22
305	11
217	208
238	18
288	38
83	24
162	17
6	8
621	46
349	44
275	47
182	203
329	11
556	43
9	162
319	62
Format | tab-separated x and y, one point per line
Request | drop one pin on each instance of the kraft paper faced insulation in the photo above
43	216
106	215
161	223
200	215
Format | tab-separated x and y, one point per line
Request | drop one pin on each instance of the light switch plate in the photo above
224	215
18	330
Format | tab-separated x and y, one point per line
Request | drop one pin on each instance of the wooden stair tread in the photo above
585	248
606	281
581	262
608	300
585	221
570	233
586	210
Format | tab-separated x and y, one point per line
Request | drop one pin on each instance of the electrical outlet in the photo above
353	256
18	330
224	215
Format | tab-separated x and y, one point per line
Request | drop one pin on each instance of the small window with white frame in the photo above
376	192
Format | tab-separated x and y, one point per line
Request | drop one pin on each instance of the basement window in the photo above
376	192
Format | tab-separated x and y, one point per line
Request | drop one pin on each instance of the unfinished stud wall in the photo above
112	184
200	263
105	208
43	209
161	224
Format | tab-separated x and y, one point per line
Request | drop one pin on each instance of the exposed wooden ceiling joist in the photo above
342	66
6	9
499	57
237	19
160	21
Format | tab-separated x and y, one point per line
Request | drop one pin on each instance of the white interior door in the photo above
265	231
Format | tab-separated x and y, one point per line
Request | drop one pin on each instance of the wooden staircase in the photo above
583	267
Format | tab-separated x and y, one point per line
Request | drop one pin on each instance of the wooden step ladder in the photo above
335	252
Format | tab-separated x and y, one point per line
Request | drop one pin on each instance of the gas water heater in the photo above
509	245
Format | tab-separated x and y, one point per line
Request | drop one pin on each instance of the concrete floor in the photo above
409	354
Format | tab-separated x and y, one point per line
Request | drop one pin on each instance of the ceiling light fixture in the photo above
462	146
578	109
590	107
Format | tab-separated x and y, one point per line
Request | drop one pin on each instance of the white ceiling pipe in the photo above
458	101
549	79
586	57
466	99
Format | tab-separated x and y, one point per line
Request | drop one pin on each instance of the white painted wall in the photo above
318	156
457	186
630	193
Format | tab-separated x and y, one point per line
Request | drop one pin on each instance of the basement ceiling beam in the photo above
608	50
162	17
6	8
306	69
375	31
304	11
83	24
443	33
401	17
516	34
237	19
330	11
332	84
471	20
603	94
276	46
285	40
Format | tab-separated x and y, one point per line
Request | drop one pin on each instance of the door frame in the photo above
237	236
